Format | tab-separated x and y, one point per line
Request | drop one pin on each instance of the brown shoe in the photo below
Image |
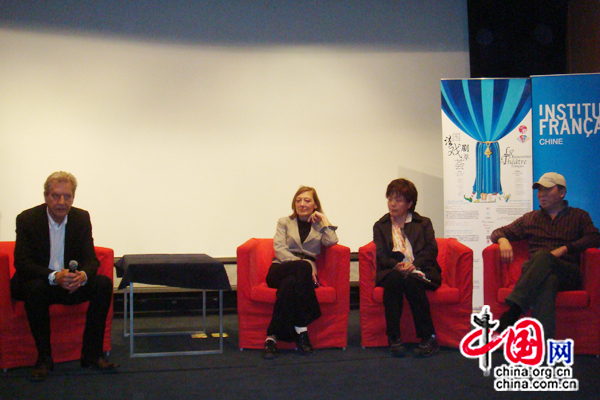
42	369
101	364
270	350
428	347
397	349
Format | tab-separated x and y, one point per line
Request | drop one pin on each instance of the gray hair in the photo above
60	176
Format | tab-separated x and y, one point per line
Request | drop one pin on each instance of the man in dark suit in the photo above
50	238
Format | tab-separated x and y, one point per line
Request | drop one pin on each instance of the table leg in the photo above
125	333
131	336
221	320
204	311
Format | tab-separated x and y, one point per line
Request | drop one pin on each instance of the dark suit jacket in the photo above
32	248
422	239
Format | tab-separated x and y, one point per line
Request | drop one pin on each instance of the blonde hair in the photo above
60	176
301	190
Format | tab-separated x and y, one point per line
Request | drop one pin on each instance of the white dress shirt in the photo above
57	246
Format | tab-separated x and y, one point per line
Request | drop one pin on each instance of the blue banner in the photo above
566	132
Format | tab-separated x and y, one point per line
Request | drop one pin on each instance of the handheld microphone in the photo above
73	266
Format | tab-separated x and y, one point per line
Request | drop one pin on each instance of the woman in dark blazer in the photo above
297	243
406	266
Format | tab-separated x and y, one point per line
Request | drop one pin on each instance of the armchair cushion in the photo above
572	299
263	293
444	295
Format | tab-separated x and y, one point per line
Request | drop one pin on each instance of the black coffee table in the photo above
192	271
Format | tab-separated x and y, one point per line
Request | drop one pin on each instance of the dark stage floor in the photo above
354	373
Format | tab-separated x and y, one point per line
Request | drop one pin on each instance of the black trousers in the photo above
38	295
395	288
296	303
543	276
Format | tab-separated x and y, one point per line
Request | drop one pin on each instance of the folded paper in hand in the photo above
420	276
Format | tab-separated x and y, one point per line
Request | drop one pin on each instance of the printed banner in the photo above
486	125
566	118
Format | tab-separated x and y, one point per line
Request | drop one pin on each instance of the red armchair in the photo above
17	348
255	299
451	305
577	311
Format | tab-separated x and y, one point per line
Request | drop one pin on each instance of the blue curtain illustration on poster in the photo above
487	110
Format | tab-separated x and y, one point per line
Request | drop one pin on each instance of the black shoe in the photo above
509	318
101	364
397	349
270	350
303	344
42	369
428	347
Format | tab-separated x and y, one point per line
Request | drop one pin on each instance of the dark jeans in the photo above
395	288
38	295
543	276
296	303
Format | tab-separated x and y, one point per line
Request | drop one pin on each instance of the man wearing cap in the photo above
557	234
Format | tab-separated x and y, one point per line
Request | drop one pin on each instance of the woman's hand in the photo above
405	268
317	217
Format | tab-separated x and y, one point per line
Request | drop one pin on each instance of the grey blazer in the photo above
287	240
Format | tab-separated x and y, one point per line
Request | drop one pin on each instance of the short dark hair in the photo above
406	189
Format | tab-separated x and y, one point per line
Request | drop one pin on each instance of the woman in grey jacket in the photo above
297	243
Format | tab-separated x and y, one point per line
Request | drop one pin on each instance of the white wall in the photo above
195	148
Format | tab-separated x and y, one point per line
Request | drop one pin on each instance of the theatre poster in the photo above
487	151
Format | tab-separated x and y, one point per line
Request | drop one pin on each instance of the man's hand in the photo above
561	251
70	281
506	251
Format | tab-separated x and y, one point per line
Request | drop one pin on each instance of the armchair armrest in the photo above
498	275
590	271
459	266
492	273
5	299
253	261
106	257
244	255
367	268
333	266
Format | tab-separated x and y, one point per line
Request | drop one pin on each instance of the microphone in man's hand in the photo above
73	266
